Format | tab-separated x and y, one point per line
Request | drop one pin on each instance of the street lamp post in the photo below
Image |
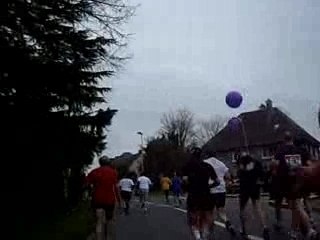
144	164
141	137
238	122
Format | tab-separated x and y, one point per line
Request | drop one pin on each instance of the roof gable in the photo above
262	127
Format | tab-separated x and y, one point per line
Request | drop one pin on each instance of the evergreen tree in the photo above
55	58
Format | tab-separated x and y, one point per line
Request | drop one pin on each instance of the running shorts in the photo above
249	193
126	196
108	209
286	187
199	202
218	200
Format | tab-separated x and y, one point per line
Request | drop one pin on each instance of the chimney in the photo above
269	104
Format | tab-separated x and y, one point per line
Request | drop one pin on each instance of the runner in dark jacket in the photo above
250	175
200	178
290	160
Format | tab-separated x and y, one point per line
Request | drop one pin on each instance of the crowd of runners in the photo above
206	180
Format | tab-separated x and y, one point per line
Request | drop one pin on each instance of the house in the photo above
137	166
129	163
260	132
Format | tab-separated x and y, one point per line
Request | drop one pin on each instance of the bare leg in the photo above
278	214
243	203
259	213
195	224
221	212
100	224
110	230
308	209
206	223
295	212
305	222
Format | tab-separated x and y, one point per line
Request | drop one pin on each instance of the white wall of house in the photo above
137	165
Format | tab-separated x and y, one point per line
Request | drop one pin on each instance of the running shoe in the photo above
312	235
230	228
145	211
244	235
196	234
206	235
293	235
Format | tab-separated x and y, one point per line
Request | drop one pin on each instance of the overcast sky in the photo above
189	53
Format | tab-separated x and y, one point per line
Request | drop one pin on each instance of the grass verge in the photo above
76	225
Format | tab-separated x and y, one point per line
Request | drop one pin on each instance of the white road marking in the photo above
254	237
220	224
180	210
217	223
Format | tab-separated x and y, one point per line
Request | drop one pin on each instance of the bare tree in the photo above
178	127
207	129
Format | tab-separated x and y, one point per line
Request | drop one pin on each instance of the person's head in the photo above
288	138
104	161
128	175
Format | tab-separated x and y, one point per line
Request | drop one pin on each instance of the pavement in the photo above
164	221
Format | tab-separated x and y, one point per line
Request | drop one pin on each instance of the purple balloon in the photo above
234	99
234	124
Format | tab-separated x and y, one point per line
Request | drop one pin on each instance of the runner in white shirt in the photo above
218	193
126	186
144	184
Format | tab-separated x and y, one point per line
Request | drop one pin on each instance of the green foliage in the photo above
77	225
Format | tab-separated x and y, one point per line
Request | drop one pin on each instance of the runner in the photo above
144	184
105	195
165	183
126	186
289	161
199	207
306	162
176	189
274	195
250	173
311	177
218	193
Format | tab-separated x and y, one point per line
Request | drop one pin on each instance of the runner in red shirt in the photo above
105	195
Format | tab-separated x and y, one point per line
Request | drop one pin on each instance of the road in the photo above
166	222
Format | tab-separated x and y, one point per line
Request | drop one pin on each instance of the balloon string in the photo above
244	133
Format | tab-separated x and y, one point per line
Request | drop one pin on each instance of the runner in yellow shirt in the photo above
166	183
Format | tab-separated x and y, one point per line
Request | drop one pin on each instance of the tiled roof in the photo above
263	127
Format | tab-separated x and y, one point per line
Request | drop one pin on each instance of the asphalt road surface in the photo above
167	222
